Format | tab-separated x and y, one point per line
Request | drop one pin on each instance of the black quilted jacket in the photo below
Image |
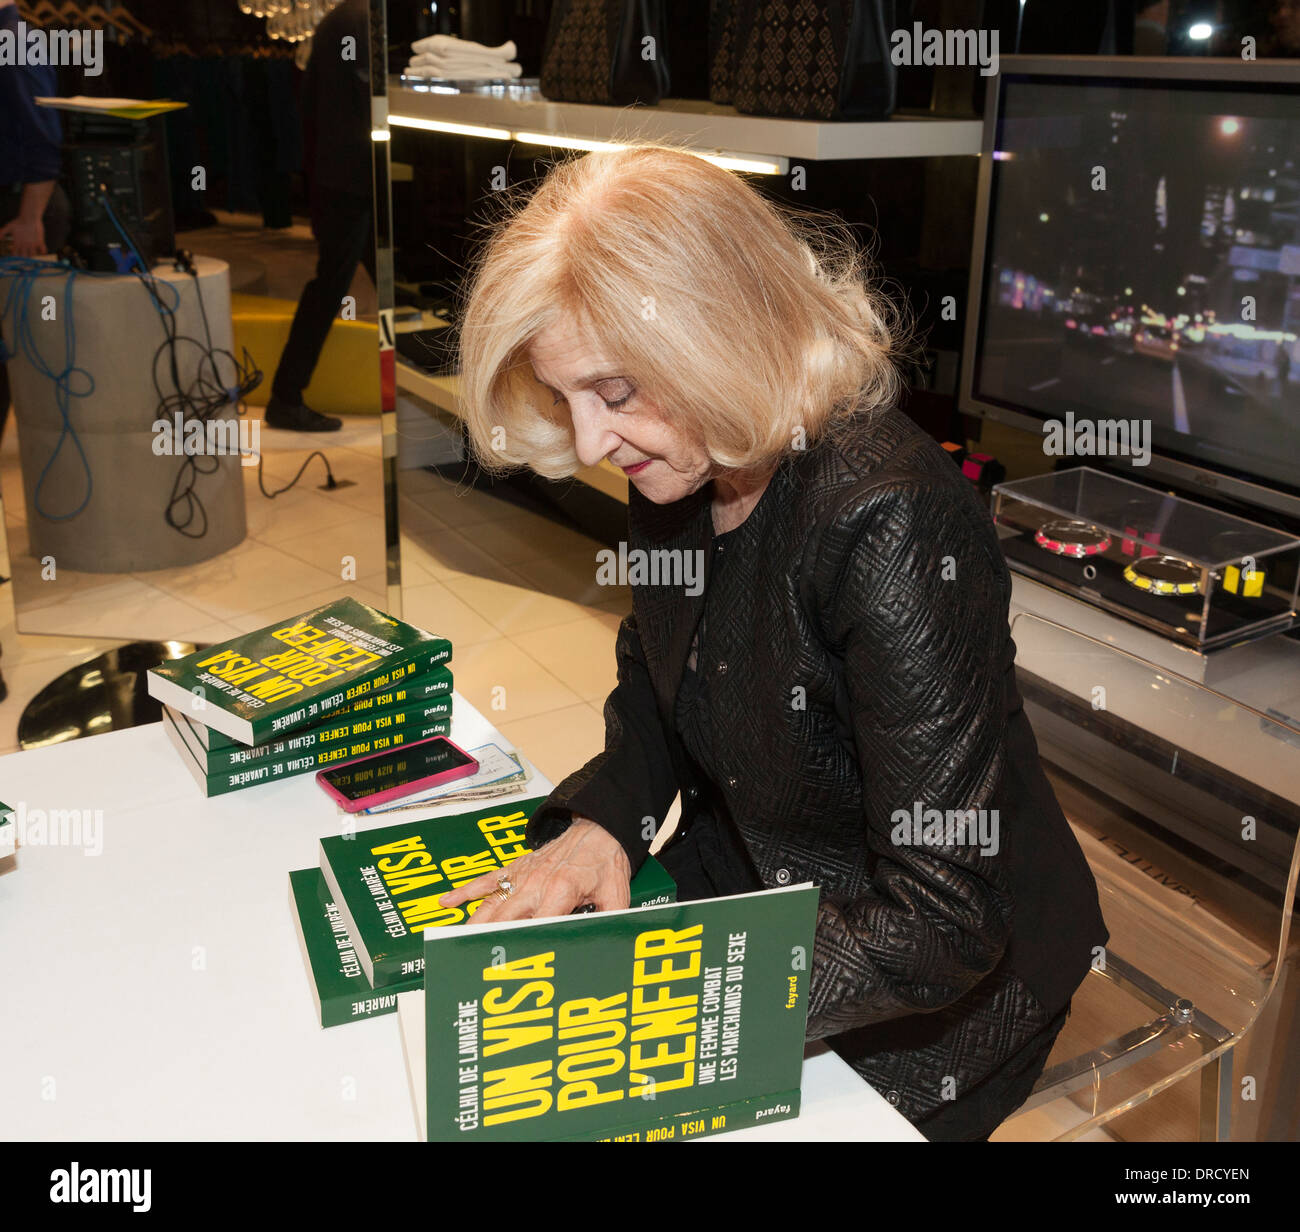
870	586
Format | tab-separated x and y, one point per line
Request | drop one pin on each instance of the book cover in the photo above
338	984
331	741
8	831
387	881
661	1024
437	684
258	686
411	1022
285	767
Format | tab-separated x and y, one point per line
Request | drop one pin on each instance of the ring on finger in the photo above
505	888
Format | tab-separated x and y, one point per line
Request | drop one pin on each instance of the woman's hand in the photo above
584	865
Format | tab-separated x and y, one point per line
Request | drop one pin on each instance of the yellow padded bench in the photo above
346	380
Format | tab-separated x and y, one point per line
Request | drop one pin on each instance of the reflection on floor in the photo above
284	564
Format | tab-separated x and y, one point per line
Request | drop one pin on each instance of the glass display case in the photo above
1195	575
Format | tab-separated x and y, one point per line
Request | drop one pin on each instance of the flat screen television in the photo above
1136	269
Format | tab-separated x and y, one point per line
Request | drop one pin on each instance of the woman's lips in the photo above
640	466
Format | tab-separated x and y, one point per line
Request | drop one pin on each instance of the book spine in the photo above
720	1119
334	739
415	689
338	1010
435	684
339	899
650	898
268	727
287	767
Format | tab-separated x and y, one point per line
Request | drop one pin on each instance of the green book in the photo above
263	772
387	881
332	741
8	831
661	1024
434	685
295	672
338	984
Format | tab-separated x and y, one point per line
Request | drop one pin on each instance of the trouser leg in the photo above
342	228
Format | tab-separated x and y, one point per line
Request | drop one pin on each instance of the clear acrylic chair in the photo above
1185	802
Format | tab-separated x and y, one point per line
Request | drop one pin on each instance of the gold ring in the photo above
505	888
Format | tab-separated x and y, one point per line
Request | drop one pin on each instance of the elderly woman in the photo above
838	702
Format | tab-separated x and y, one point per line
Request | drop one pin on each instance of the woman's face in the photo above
613	419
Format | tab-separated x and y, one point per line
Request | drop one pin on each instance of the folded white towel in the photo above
510	71
442	44
428	57
449	67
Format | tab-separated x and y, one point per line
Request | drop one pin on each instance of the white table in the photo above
156	990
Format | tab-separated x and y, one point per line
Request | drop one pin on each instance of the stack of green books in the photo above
362	914
326	686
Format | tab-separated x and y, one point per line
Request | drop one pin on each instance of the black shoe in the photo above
299	418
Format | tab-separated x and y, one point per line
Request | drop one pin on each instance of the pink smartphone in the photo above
366	781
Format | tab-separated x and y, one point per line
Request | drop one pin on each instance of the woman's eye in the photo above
612	405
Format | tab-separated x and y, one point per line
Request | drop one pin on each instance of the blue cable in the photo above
25	273
121	230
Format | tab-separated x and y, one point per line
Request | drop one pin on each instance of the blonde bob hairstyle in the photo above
751	326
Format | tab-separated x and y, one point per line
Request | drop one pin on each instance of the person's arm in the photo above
911	592
26	232
30	142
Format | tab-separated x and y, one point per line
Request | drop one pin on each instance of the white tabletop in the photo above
155	990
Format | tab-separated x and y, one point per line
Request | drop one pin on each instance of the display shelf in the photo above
704	125
443	392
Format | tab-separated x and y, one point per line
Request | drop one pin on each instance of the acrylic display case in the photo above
1195	575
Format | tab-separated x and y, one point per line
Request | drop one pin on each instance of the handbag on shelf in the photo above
596	52
805	59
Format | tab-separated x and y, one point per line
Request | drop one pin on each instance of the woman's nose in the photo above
593	438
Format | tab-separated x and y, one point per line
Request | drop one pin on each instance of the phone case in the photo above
394	793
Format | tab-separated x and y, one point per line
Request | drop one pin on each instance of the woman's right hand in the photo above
584	865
